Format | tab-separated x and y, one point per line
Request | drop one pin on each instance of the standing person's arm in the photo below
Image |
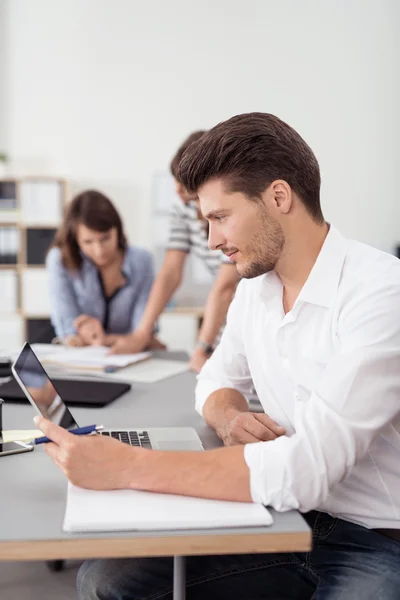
167	281
217	305
64	307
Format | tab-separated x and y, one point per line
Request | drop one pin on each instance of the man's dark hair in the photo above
193	137
249	152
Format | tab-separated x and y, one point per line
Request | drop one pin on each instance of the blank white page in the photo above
130	510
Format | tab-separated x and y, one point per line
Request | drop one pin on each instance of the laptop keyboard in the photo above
133	438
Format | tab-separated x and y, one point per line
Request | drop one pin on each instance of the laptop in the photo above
44	396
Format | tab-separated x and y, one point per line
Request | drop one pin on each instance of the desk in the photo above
32	499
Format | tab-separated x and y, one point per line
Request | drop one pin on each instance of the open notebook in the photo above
129	510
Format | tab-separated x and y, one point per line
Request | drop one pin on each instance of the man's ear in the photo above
280	194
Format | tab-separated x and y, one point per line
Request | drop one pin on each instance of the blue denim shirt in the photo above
74	293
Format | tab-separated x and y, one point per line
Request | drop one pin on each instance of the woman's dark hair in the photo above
193	137
249	152
95	211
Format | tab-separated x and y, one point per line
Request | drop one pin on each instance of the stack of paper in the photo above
92	357
127	510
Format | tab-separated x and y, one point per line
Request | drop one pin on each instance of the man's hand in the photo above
90	330
247	427
197	360
90	461
131	343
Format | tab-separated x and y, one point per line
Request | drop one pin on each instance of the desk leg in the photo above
179	578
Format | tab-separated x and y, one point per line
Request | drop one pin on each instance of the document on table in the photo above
151	371
92	357
129	510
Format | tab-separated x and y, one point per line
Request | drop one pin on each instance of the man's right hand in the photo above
248	427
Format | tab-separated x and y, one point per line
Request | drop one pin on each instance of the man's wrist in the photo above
206	347
223	428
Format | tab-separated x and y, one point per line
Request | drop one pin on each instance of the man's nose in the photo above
216	240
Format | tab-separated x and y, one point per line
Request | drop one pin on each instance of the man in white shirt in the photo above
315	328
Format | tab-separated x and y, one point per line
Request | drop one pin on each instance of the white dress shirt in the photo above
329	372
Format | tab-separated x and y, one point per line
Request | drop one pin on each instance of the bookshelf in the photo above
31	210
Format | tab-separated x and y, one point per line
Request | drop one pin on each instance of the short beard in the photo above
268	244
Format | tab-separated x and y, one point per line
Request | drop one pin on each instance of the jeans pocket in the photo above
324	526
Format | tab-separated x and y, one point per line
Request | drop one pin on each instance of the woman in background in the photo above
99	286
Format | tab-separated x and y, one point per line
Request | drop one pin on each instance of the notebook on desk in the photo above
129	510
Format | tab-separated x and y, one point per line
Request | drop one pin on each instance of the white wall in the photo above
3	76
103	91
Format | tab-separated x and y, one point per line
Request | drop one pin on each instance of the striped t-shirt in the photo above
190	234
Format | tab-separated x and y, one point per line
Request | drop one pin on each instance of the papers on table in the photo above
92	357
128	510
151	371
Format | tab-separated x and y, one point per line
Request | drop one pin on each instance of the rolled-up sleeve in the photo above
227	367
64	307
356	398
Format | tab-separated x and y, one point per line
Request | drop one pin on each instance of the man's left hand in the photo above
95	462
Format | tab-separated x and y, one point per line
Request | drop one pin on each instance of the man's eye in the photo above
220	219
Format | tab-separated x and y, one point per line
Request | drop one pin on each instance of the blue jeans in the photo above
347	562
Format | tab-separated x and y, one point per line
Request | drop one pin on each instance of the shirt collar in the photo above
323	280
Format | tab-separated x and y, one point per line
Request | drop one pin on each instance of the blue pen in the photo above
78	431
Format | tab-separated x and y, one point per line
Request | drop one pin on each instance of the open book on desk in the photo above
92	357
130	510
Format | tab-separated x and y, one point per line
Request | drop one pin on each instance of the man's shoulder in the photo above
368	266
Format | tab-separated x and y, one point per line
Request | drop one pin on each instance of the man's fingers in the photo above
269	423
259	431
53	451
56	434
242	437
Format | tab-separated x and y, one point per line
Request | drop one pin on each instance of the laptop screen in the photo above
41	389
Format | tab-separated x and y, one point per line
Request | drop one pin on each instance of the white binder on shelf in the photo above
11	333
35	295
41	203
8	291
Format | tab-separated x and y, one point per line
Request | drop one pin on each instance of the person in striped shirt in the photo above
188	234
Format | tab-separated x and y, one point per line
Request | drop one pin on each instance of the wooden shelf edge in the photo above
175	545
